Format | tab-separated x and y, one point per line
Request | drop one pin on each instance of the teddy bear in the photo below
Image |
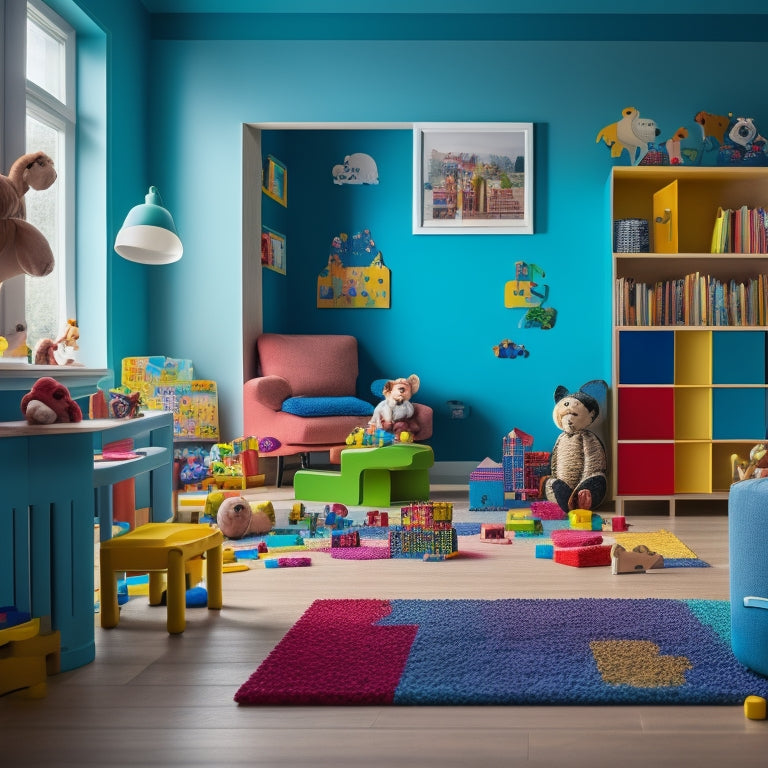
23	248
578	461
395	413
49	402
236	517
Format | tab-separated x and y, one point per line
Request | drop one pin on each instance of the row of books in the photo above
740	230
695	299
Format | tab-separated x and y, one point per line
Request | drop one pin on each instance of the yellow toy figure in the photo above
71	335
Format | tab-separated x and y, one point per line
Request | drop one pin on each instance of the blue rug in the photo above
591	651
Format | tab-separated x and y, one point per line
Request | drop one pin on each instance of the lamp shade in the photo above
148	235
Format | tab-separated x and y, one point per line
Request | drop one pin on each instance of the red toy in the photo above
49	402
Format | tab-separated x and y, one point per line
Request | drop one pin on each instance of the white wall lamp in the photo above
148	235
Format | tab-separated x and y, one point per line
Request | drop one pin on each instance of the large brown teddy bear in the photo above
23	248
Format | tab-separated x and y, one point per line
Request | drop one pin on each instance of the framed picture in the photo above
275	180
473	178
273	250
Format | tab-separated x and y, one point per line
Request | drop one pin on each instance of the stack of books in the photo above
695	299
741	230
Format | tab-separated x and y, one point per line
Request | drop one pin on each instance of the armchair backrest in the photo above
314	365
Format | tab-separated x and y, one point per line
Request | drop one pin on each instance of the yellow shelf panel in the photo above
693	413
693	358
693	467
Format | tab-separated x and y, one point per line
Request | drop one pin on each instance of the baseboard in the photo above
451	472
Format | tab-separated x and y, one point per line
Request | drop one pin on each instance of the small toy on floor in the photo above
638	560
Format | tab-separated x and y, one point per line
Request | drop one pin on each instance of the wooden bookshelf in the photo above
687	396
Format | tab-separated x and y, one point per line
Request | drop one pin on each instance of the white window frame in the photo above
61	116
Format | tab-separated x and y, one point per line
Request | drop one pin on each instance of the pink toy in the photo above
236	518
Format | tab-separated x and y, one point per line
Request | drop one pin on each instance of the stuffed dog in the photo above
49	402
395	412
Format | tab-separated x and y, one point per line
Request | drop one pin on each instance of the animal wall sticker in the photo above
355	276
357	168
631	133
710	140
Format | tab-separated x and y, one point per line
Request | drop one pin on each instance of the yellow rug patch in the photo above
663	542
638	663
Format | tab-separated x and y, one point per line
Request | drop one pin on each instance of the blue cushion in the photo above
327	406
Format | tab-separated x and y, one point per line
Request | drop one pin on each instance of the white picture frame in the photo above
473	178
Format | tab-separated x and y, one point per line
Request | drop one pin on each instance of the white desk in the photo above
47	484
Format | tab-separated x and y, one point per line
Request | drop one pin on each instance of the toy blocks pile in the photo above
514	482
426	529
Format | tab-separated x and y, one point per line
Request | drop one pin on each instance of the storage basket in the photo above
631	236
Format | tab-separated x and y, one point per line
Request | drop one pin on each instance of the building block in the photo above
584	557
27	658
545	551
494	533
373	477
288	562
524	524
570	538
755	708
619	523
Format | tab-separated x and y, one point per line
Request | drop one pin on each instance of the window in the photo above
42	304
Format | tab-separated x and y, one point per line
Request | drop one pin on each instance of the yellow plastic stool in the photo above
157	548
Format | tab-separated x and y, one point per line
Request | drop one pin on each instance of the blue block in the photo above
545	551
485	494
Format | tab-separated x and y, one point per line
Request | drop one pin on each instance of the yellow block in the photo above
754	707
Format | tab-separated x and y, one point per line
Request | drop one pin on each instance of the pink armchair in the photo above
305	395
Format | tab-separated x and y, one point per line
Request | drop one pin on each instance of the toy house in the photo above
515	481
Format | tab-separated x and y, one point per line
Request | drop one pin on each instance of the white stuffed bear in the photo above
395	412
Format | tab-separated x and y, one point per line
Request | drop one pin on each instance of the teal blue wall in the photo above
447	303
177	100
113	175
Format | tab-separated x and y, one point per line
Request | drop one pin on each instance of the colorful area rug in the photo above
588	651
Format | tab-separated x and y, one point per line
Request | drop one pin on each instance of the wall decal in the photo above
507	348
355	276
358	168
523	291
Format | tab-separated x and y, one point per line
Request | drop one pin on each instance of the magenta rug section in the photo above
345	631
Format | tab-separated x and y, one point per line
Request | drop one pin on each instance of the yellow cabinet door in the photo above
665	219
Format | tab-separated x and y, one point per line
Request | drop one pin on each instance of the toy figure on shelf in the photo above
757	466
49	402
70	336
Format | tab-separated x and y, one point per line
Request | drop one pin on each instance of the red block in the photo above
584	557
576	538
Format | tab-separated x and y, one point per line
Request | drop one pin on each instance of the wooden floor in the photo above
154	700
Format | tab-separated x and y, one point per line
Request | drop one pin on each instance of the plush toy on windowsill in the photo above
49	402
395	413
23	248
578	463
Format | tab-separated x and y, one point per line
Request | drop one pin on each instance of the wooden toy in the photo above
638	560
